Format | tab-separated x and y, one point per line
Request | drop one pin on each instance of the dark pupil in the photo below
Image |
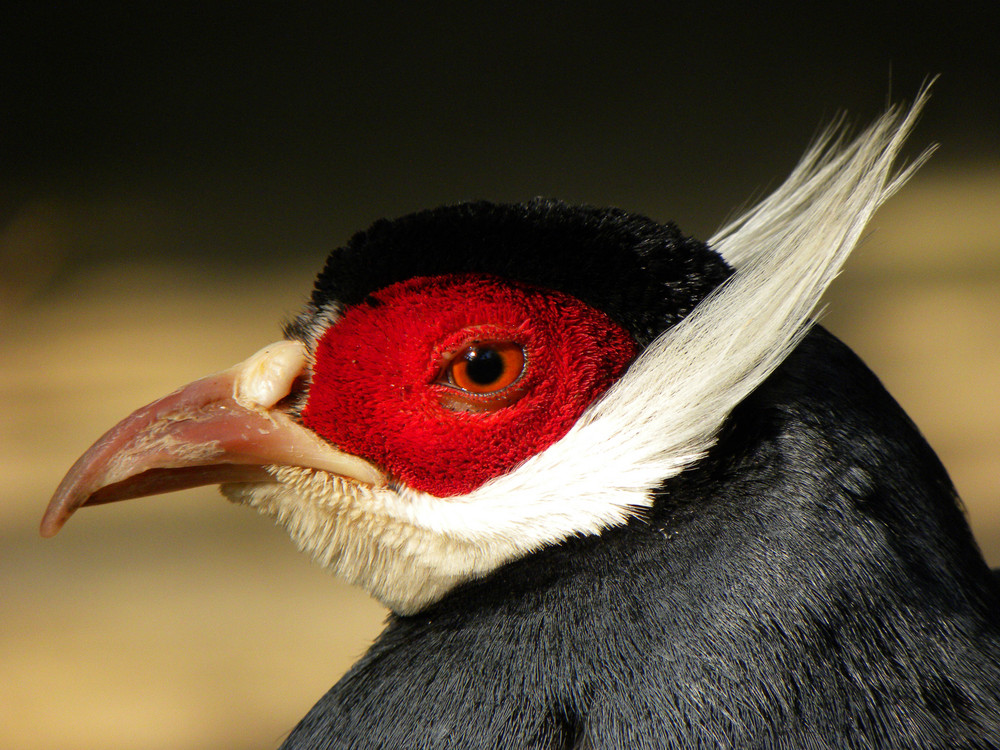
484	366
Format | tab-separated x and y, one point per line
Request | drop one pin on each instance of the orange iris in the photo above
487	367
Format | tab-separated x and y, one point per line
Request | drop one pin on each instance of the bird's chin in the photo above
358	531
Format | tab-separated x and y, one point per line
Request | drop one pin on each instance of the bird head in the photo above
470	384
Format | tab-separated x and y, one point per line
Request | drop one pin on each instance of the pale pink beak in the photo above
223	428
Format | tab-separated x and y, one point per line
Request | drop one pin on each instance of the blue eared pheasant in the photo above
617	488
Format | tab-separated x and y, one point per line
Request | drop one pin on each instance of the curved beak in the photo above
223	428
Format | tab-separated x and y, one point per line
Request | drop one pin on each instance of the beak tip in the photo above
55	516
49	527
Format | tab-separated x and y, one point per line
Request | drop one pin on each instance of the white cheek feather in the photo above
409	548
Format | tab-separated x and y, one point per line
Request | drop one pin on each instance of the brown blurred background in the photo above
172	176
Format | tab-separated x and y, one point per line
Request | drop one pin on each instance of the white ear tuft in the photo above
665	413
842	185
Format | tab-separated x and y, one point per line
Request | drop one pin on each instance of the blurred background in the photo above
173	175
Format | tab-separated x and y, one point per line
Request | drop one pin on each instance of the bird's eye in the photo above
484	376
486	367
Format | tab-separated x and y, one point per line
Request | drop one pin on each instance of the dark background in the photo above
172	175
274	129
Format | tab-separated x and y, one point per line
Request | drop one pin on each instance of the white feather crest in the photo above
665	412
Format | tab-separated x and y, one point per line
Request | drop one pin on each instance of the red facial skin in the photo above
383	387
